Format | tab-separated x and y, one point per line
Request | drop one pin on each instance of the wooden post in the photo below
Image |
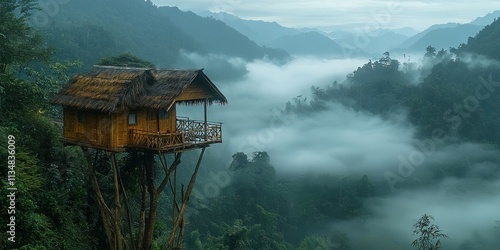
179	222
153	201
158	121
116	221
110	219
154	193
125	199
205	118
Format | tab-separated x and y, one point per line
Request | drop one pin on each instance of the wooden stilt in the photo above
110	219
116	215
127	207
178	223
142	213
149	202
205	119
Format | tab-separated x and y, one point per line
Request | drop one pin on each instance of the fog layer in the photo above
341	141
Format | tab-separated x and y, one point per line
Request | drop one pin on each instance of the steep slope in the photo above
445	38
259	31
407	31
410	41
136	26
217	37
447	35
155	34
487	41
487	19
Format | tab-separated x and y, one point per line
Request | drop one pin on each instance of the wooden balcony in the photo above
189	134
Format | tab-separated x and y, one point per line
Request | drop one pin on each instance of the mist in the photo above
343	141
344	124
465	209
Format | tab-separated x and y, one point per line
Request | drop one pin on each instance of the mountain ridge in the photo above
157	34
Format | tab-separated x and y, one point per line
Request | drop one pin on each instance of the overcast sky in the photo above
418	14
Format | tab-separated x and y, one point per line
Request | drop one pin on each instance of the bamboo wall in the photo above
147	120
94	128
111	130
119	129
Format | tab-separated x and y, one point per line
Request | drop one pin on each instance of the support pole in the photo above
205	118
116	217
127	207
179	222
109	218
154	193
153	201
142	214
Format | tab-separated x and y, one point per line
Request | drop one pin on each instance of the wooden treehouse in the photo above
118	109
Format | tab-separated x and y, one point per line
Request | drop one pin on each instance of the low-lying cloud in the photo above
465	210
460	181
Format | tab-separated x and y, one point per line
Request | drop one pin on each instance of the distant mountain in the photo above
410	41
275	35
486	20
406	31
158	34
445	38
312	41
259	31
217	37
340	34
486	42
385	42
306	29
295	41
308	43
446	35
377	42
80	28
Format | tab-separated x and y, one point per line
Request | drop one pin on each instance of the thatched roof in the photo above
111	89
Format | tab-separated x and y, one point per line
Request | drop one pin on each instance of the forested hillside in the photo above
450	100
90	30
381	87
487	41
216	37
259	31
444	38
51	207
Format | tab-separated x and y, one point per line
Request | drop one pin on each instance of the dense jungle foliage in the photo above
256	208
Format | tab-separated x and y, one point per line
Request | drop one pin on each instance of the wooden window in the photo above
132	119
163	114
81	116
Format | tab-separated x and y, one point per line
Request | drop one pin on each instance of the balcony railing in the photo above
195	131
154	140
189	133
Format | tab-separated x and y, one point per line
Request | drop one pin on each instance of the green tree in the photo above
240	160
314	243
50	185
49	79
125	60
19	42
430	52
337	240
427	233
